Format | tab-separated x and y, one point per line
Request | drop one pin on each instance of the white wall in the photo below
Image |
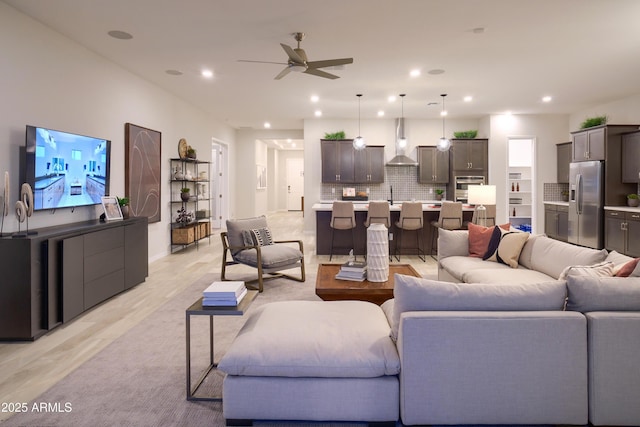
625	111
48	80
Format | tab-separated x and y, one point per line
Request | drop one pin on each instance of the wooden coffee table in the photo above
331	289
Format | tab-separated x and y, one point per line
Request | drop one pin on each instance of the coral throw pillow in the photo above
628	268
479	238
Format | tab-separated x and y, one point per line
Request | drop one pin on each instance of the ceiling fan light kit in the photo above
359	142
443	144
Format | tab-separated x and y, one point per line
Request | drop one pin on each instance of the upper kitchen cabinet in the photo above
563	160
605	143
469	155
338	158
433	165
369	164
631	157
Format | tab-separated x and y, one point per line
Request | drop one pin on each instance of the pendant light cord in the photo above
359	95
443	114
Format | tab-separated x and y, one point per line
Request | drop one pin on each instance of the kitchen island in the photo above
430	211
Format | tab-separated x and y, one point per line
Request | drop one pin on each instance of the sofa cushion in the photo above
272	256
587	293
527	250
418	294
452	243
459	266
552	256
601	269
334	339
505	275
505	247
479	238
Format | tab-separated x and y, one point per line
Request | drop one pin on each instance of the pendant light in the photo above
359	143
402	140
443	144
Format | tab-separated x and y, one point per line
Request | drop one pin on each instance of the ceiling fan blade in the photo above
262	62
329	62
320	73
292	54
283	73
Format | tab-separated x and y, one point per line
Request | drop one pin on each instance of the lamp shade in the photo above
482	194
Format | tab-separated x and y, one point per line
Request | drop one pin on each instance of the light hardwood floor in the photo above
27	369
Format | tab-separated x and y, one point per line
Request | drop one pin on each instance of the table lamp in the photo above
481	195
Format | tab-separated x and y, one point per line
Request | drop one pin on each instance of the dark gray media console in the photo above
51	277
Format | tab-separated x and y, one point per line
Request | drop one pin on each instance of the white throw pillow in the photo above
505	247
603	269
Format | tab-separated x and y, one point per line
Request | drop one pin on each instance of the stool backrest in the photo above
450	215
343	216
411	216
491	216
378	214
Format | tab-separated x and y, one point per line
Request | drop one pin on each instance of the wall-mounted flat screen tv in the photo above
65	169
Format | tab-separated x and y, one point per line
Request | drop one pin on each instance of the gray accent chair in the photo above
270	260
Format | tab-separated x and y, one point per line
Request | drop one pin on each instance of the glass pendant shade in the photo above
443	144
358	142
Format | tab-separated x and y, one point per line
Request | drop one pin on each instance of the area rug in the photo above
139	379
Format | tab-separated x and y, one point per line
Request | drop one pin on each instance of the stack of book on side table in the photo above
223	294
353	270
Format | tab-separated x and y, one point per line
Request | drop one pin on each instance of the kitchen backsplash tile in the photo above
553	192
403	179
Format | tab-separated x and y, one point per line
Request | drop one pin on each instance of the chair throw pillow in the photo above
257	237
602	269
505	246
479	238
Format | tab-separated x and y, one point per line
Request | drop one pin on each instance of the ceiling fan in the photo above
298	62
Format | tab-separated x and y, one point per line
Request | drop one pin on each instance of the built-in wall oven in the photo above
462	186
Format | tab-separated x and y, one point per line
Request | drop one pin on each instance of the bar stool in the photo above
343	217
491	216
378	213
450	218
411	220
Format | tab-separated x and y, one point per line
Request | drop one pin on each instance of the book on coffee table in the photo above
355	266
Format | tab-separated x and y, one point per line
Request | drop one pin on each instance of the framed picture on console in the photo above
111	207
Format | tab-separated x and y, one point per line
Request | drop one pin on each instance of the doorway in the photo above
521	183
295	184
219	183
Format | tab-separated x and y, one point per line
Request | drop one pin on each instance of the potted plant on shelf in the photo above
124	206
185	193
439	194
633	200
191	153
565	195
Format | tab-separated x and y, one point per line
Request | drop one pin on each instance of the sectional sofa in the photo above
552	352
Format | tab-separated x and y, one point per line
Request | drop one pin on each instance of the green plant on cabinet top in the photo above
594	121
335	135
466	134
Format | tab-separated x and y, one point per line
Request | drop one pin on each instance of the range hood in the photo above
401	159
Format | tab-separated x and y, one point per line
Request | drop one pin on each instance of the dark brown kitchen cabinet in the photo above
556	221
631	157
369	164
469	155
563	159
433	165
589	144
621	231
338	158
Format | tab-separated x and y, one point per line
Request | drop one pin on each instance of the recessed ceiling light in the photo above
414	73
318	113
120	35
546	99
293	145
267	125
207	74
289	140
436	71
468	98
315	98
380	113
443	113
392	98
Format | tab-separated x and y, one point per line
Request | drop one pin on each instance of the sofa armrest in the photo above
614	368
493	367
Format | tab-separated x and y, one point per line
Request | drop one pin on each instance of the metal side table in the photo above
197	309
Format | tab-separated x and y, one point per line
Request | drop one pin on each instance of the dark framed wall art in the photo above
142	171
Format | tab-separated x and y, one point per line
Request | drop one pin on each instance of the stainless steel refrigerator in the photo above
586	197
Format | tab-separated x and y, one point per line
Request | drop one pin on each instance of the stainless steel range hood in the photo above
401	159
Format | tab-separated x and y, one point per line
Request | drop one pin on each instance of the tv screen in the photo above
65	169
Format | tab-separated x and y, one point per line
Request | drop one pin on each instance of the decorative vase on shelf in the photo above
185	196
125	211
